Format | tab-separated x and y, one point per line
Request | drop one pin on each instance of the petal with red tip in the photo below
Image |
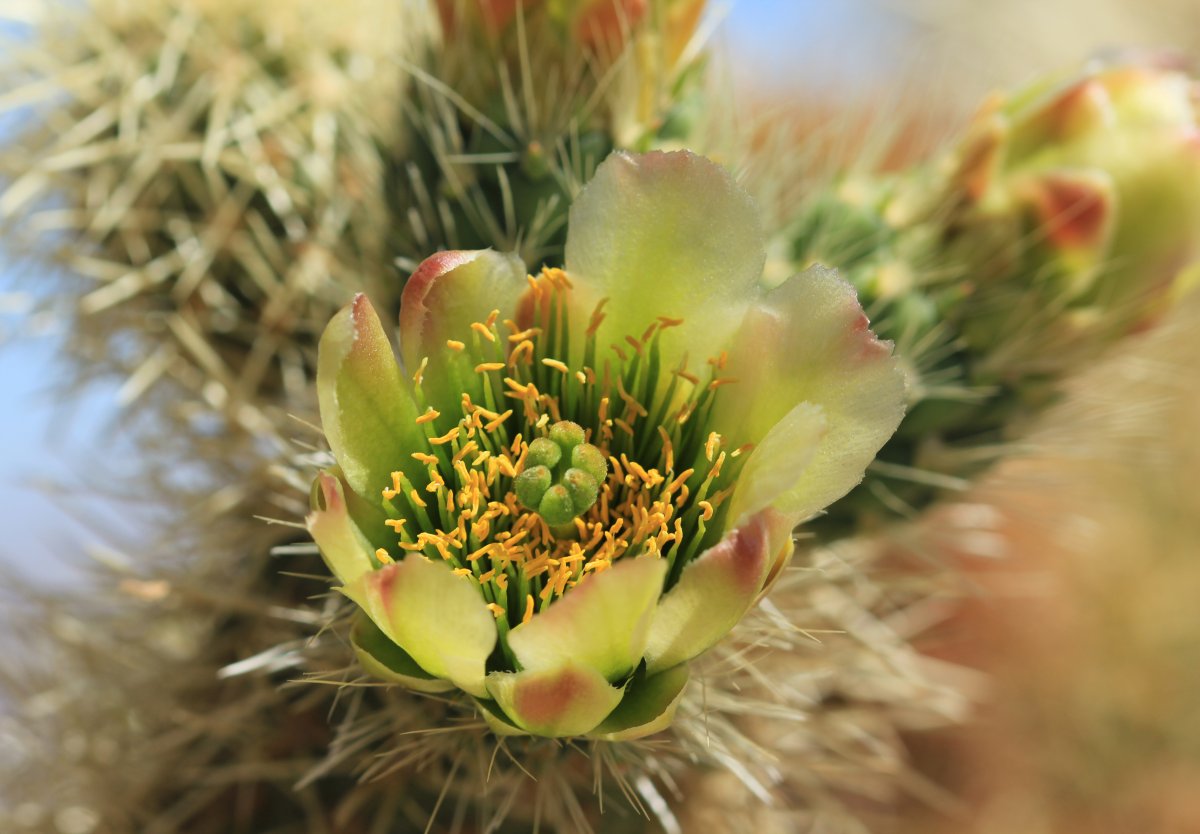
383	659
437	617
665	234
714	591
448	292
648	706
343	546
808	341
569	700
601	624
367	411
1075	209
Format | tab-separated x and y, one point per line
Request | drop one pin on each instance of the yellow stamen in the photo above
454	344
522	352
384	557
468	447
524	335
711	445
498	421
445	438
428	416
396	488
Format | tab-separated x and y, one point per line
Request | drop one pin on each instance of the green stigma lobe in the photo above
577	487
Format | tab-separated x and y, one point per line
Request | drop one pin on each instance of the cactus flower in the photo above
575	483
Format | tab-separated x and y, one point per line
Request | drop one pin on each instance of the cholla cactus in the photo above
481	136
524	99
582	568
1060	223
1090	190
226	176
217	172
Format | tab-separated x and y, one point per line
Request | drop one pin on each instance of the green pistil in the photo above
562	475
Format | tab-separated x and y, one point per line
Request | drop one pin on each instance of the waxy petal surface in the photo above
647	708
808	341
713	592
447	293
367	410
601	624
438	618
342	544
383	659
568	700
665	234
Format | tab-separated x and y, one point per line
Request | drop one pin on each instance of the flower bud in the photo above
1096	180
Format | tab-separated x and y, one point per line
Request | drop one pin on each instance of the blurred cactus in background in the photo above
213	179
1063	220
216	176
525	98
223	176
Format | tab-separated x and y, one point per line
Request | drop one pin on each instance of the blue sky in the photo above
779	42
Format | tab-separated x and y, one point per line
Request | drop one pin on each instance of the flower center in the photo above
563	467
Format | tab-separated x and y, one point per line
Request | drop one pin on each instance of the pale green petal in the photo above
496	720
601	624
437	617
715	590
779	462
448	292
367	410
343	546
383	659
369	513
569	700
808	342
648	706
665	234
